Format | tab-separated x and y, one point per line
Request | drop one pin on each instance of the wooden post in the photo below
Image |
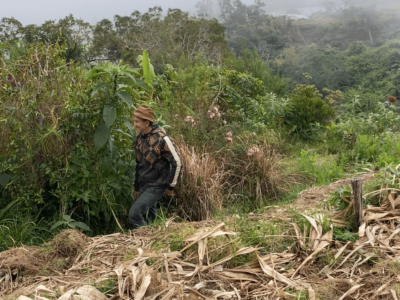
356	184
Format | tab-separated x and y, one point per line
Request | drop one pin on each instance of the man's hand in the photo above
136	195
169	193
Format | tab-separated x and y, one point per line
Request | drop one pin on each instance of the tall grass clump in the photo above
255	172
202	184
18	228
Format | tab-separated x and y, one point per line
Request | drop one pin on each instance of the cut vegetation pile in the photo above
152	263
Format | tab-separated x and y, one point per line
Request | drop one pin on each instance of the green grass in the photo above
129	255
107	287
18	228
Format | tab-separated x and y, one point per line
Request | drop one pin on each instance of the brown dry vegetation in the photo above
210	260
212	180
203	181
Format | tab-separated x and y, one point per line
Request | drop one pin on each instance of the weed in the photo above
397	288
396	266
18	229
336	198
46	249
344	235
323	170
267	234
107	287
157	245
296	294
130	255
160	220
59	263
87	271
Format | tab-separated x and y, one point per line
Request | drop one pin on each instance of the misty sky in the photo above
37	11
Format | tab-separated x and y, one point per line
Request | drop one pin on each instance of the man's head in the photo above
143	119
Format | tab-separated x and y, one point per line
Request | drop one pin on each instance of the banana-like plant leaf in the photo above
148	70
101	136
109	115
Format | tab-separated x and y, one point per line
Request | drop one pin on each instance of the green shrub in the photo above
307	109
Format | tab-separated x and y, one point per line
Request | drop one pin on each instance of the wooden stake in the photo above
356	184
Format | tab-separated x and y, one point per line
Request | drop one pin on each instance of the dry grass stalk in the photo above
258	173
202	183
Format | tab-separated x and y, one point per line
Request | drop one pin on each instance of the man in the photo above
158	167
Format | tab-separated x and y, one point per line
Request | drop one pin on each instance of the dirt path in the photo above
316	195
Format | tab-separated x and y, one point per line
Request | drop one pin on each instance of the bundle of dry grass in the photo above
258	173
202	183
69	243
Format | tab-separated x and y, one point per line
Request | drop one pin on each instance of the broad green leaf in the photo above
76	161
4	179
148	70
72	225
109	115
113	148
125	97
142	85
98	86
133	71
131	78
67	218
135	82
124	133
115	185
106	167
56	224
128	125
94	73
101	136
83	226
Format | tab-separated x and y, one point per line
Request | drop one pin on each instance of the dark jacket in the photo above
157	161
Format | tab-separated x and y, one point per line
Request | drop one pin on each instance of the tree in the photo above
358	19
249	25
73	33
166	38
307	108
207	9
10	29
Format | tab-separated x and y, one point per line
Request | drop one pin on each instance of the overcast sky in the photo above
38	11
